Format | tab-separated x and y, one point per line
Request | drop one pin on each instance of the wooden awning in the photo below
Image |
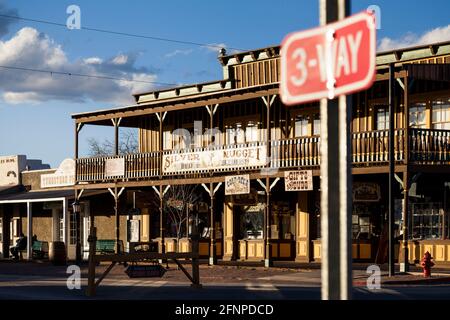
436	72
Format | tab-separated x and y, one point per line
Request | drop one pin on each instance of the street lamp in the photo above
76	211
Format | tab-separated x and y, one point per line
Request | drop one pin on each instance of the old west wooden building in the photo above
199	134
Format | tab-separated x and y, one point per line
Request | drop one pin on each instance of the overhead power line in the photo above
121	33
104	77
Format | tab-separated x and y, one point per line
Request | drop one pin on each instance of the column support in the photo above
29	231
161	219
267	254
404	265
212	249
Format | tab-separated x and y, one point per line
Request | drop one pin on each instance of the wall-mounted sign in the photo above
115	167
133	230
64	176
227	158
300	180
10	169
237	184
366	191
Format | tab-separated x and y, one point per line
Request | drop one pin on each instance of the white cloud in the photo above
439	34
120	59
178	52
20	97
32	49
93	60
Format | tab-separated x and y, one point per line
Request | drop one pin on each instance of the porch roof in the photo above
43	196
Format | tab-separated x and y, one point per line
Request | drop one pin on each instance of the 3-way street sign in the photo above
328	61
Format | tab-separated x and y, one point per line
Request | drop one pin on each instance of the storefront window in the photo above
417	117
281	221
61	228
428	221
167	140
441	114
251	132
73	228
252	222
382	118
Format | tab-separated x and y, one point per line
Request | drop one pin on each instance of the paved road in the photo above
44	287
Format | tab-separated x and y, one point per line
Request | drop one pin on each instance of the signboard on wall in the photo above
366	191
115	167
10	169
230	157
237	184
64	176
300	180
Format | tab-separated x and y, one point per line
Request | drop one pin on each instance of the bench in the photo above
40	249
107	246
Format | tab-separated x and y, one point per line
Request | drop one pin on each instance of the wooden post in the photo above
29	231
161	219
116	137
92	240
212	249
195	262
404	265
116	211
267	258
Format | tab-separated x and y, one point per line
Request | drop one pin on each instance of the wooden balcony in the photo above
431	147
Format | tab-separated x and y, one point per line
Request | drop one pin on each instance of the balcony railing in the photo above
368	149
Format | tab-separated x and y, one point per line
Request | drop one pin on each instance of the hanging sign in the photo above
227	158
115	167
300	180
237	184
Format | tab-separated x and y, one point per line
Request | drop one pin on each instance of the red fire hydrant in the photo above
426	264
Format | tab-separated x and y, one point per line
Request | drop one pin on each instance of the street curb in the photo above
430	281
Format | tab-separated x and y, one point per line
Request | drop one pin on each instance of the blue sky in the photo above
35	108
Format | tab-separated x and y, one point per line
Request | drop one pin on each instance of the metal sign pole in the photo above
336	176
391	171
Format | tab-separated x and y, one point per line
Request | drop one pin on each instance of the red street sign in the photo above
329	61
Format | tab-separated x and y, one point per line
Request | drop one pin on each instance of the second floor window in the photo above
417	118
316	124
382	118
301	125
441	114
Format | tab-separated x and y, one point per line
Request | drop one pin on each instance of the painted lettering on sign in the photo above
227	158
300	180
325	62
237	184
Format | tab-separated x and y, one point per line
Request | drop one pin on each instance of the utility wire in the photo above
51	72
120	33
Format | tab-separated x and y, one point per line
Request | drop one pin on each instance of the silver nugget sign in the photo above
229	157
300	180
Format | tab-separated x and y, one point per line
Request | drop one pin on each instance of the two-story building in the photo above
228	144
